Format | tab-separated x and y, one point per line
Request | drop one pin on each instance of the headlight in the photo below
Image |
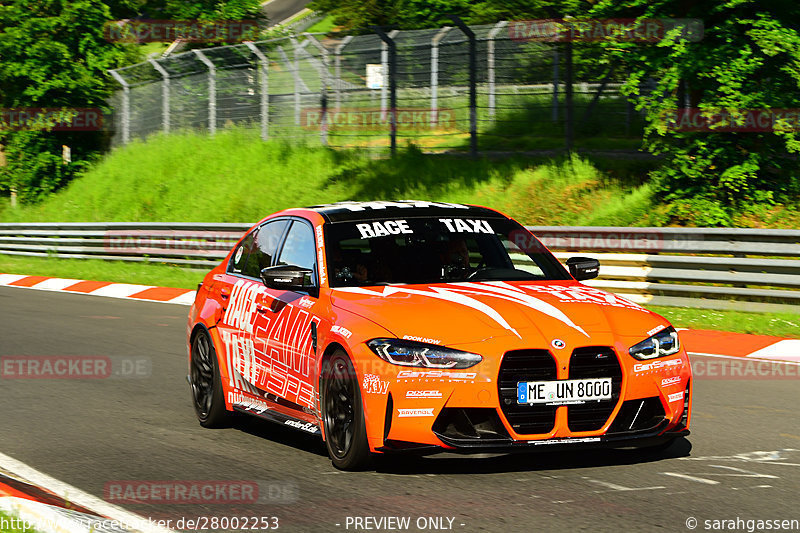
663	343
410	353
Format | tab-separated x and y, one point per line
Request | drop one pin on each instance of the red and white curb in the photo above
47	504
100	288
727	344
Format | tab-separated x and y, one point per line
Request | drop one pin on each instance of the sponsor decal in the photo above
343	331
323	271
369	230
584	294
405	413
239	253
423	394
422	339
305	426
564	441
671	381
655	330
465	225
678	396
458	293
558	344
658	364
256	405
363	206
436	374
274	352
305	302
374	384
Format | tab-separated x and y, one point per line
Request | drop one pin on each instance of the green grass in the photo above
778	324
323	26
236	177
99	270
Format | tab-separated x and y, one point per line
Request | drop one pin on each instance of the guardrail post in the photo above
337	59
435	74
473	84
490	60
212	91
164	94
126	106
263	62
391	58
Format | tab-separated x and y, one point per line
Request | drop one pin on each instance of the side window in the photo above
267	238
299	249
239	258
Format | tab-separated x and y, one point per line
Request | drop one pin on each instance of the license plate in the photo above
564	391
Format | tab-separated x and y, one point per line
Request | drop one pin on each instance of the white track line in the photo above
184	299
77	496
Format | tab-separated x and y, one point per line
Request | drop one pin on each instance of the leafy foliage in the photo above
748	59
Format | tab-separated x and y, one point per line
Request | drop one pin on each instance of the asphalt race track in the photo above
279	10
742	460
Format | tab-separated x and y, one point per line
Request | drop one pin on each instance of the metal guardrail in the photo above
747	269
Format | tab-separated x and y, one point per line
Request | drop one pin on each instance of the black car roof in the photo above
350	211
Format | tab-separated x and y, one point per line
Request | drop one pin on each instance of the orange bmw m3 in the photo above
420	327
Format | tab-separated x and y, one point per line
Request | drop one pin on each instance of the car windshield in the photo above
436	250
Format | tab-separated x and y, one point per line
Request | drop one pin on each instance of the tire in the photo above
207	395
343	414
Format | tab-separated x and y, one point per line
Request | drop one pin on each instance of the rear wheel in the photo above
343	414
209	403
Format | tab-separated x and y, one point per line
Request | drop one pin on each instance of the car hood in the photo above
535	312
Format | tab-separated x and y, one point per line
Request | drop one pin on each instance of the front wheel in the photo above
343	414
209	403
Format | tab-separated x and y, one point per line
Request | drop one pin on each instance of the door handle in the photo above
225	293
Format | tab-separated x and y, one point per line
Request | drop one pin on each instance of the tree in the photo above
748	59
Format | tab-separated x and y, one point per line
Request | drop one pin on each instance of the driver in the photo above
454	256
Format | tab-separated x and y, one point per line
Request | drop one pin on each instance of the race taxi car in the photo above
424	326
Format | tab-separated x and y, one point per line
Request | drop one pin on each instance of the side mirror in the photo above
583	268
288	278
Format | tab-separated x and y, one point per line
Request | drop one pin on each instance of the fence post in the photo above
385	60
164	94
555	84
297	81
337	58
126	106
263	62
212	91
324	78
473	85
490	59
435	74
391	58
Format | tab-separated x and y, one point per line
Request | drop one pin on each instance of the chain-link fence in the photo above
451	88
